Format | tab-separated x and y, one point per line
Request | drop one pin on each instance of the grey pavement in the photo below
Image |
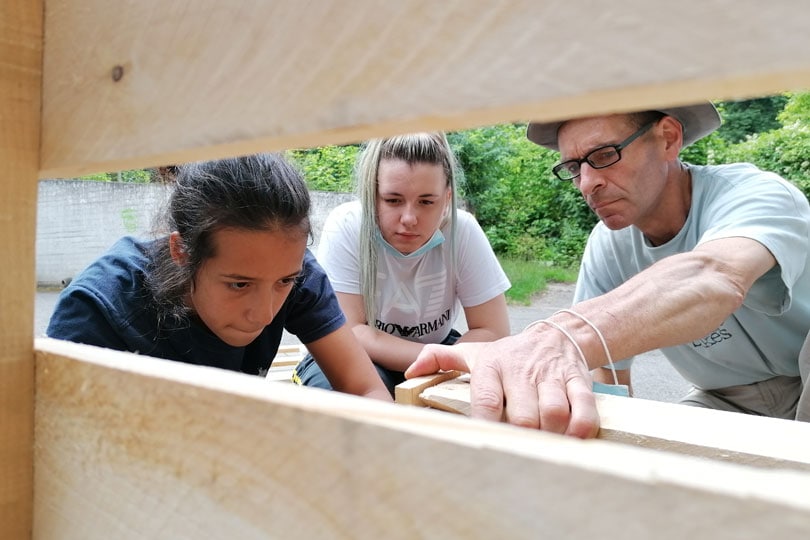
653	376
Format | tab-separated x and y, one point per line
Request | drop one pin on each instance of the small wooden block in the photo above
289	355
451	396
408	391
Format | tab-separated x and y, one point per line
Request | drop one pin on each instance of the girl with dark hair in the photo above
405	262
229	274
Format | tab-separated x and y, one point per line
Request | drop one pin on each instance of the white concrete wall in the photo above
78	220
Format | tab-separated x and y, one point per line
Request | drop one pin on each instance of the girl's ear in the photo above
177	250
448	201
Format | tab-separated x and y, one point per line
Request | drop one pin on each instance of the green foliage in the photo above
328	168
797	109
138	176
526	212
785	150
747	117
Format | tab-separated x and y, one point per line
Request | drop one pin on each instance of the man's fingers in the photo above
555	411
435	358
522	405
584	422
486	393
551	405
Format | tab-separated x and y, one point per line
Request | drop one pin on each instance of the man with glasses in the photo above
707	263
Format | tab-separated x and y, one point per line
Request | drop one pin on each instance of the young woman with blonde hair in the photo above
404	261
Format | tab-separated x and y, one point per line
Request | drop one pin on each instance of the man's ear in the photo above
673	135
177	250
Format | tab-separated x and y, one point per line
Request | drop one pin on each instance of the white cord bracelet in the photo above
601	338
566	334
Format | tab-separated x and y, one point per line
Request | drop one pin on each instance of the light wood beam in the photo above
133	447
739	438
134	84
20	84
407	393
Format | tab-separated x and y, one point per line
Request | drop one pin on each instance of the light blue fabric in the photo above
762	338
613	389
436	240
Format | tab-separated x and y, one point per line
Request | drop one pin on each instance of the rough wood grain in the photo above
725	436
131	447
185	80
451	396
20	81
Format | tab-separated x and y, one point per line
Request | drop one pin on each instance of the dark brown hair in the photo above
261	192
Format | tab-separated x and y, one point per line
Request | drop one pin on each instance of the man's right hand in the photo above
511	381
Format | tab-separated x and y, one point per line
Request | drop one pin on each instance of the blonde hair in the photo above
432	148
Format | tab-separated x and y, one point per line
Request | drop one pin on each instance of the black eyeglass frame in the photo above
561	167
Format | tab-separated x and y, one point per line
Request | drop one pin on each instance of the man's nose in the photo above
589	179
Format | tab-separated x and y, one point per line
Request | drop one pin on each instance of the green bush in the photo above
526	212
750	116
785	150
328	168
138	176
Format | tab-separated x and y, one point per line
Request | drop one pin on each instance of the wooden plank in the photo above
130	447
285	350
133	447
288	356
288	361
674	428
451	396
282	375
741	438
407	393
180	81
20	83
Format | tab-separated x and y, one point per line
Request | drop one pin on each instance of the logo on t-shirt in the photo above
716	337
415	331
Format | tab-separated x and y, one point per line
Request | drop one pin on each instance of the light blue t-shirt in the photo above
761	339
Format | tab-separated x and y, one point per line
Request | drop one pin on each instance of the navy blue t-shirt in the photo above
109	305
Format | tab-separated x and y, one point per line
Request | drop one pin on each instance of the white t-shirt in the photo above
417	298
762	338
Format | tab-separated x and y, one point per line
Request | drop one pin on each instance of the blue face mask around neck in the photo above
436	240
614	389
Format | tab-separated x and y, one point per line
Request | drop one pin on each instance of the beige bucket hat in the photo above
697	120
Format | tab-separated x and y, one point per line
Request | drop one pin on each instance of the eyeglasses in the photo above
602	157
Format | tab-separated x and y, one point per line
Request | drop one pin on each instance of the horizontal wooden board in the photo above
133	447
133	84
726	436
